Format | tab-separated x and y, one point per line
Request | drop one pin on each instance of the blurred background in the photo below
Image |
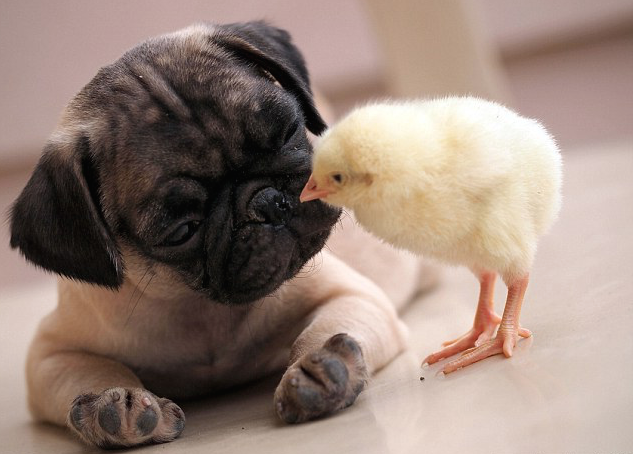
568	63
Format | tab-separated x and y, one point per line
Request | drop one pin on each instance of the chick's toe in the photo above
502	343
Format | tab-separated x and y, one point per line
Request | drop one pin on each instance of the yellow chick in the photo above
460	179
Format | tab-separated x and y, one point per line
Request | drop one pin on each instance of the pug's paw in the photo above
322	382
121	417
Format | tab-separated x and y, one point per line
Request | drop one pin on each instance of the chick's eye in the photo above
337	177
182	234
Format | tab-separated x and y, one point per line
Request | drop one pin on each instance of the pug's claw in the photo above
322	382
110	421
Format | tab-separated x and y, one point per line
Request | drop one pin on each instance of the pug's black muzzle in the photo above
272	237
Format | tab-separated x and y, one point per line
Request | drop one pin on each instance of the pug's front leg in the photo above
353	332
100	400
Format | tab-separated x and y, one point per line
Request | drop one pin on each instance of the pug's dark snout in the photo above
270	206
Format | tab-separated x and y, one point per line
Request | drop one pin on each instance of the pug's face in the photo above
191	151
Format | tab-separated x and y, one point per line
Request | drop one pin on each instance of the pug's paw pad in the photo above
120	417
322	382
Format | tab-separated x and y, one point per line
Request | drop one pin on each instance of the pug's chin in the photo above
263	259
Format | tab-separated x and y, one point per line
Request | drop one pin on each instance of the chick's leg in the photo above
486	321
507	335
484	326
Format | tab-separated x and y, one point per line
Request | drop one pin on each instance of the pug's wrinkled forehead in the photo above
189	90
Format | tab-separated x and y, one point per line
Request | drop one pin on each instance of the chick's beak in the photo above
312	192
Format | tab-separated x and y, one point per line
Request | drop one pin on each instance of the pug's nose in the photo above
270	206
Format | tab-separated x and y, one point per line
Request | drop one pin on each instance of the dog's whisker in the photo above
136	287
311	268
138	300
250	331
274	294
327	248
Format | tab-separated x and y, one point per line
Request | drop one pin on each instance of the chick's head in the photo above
340	176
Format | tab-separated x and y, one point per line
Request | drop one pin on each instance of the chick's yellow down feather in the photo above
460	179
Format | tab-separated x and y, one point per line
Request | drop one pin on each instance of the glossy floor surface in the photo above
567	389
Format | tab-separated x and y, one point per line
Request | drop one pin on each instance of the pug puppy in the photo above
167	200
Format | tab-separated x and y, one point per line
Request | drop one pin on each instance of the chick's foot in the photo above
476	337
504	343
507	335
486	322
484	326
483	330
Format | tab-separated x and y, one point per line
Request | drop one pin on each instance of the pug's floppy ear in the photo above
272	49
56	222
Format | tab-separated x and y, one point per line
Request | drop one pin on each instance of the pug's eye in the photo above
182	234
291	131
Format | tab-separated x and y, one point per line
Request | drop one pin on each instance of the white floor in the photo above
568	389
